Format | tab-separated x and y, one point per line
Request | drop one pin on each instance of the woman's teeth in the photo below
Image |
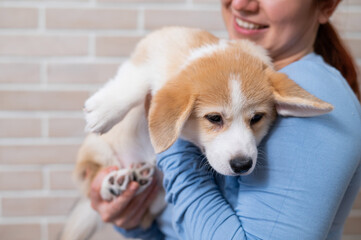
248	25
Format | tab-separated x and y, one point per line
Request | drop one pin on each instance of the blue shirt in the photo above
307	177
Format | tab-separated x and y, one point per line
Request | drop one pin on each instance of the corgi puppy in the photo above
222	95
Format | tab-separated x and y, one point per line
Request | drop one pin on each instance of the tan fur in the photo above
169	110
92	155
175	45
204	82
286	92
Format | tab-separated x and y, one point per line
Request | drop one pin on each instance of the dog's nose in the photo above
241	165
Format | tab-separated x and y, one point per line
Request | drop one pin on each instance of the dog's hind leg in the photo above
82	222
111	103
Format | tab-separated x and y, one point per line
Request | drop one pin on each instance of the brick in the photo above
115	45
62	180
107	232
20	180
42	100
18	17
207	19
347	21
9	73
143	1
67	1
350	2
66	127
54	231
38	154
81	73
91	19
352	225
15	128
63	0
43	45
354	45
20	231
206	1
37	206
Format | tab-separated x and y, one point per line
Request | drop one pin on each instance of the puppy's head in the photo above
225	102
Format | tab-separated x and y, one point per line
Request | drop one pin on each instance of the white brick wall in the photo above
53	54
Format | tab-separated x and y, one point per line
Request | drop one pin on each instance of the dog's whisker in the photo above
205	164
259	164
261	151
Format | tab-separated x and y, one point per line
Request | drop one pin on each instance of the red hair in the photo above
329	45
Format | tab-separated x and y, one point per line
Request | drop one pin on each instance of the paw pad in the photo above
143	174
116	182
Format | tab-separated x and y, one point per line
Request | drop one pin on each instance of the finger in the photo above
132	208
128	195
96	185
144	200
135	220
110	210
98	180
138	216
134	212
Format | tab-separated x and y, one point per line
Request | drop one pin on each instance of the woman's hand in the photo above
127	210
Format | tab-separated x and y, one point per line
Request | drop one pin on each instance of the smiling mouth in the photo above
249	26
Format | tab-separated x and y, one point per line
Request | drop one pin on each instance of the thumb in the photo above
96	185
98	180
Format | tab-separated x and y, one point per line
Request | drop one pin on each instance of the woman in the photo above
309	173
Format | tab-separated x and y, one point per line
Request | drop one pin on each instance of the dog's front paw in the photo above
100	112
115	183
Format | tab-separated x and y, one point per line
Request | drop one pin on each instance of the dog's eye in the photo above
256	118
214	118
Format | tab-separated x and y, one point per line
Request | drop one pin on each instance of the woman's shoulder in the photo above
316	76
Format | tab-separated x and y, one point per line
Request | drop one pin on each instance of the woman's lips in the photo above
248	28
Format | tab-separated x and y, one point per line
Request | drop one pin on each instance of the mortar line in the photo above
1	208
45	127
44	229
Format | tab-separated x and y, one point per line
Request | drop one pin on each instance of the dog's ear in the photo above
169	110
292	100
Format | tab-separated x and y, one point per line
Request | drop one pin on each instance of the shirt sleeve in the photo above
152	233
